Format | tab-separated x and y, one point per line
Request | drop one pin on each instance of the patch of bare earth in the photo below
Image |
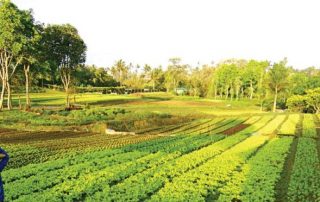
235	129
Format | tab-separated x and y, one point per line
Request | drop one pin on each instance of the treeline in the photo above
275	85
34	55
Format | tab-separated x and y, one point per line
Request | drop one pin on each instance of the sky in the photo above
197	31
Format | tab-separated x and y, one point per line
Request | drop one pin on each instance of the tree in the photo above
195	81
65	49
157	77
147	77
147	69
313	99
308	102
134	81
278	79
296	103
253	75
120	71
175	74
91	75
12	39
226	76
298	83
31	50
205	78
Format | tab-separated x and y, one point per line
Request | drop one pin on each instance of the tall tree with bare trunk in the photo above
278	79
30	52
12	39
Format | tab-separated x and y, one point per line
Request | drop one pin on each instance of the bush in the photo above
33	89
305	103
297	103
90	114
313	99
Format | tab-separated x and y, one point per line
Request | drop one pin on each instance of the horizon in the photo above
152	32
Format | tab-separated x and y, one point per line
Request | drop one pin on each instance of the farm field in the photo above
189	155
160	101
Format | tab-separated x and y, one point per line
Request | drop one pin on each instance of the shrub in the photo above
296	103
313	99
305	103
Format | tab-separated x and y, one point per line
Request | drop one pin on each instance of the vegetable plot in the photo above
200	164
289	126
256	180
305	179
309	128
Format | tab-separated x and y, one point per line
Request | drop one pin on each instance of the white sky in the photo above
152	31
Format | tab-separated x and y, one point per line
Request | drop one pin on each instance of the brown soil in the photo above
235	129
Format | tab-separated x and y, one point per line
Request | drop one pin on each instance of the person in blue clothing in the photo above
4	158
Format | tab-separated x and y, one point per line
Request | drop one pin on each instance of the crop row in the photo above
54	147
76	186
24	154
184	144
33	136
197	184
199	128
290	125
273	125
169	144
218	126
73	173
188	129
191	126
305	178
78	182
46	180
184	127
257	178
205	128
153	179
79	164
227	126
86	155
164	128
74	179
38	169
41	151
309	128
